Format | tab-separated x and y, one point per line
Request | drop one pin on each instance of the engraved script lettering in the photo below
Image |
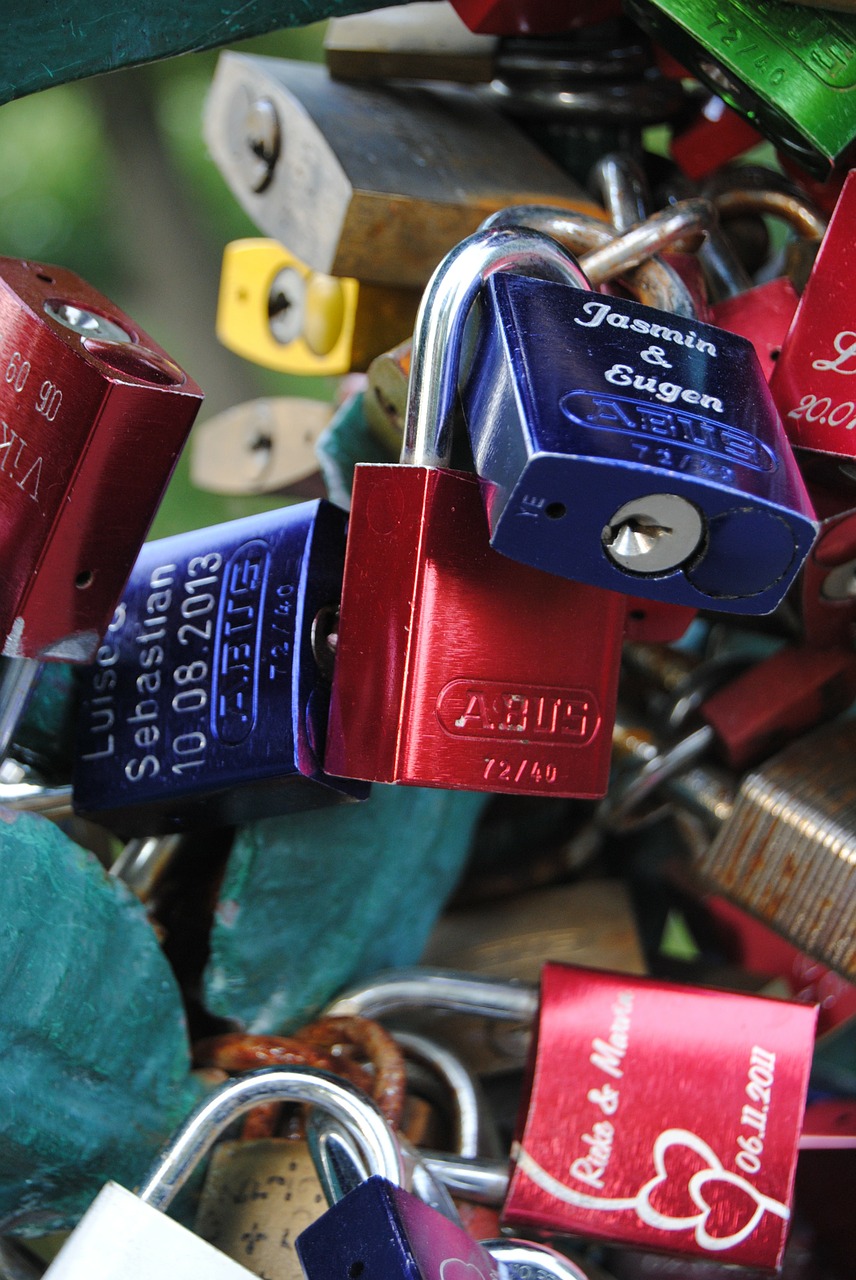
845	345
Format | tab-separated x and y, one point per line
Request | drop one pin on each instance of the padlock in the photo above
810	384
277	312
606	256
303	155
785	852
623	1147
261	1189
380	1229
440	679
824	595
592	467
715	136
385	1230
762	708
94	415
532	17
603	256
421	41
207	700
791	71
783	842
263	446
128	1234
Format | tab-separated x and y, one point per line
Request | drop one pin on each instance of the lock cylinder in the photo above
632	448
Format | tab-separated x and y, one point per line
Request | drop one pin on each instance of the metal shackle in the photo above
608	255
358	1115
439	329
397	990
460	1083
755	189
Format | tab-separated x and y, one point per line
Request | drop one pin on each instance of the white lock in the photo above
123	1236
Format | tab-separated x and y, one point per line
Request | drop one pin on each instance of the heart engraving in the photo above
457	1269
711	1175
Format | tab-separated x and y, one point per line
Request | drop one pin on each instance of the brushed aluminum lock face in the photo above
632	449
206	704
457	667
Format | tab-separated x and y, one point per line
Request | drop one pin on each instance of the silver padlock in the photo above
124	1236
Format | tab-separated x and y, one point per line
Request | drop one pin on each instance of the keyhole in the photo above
356	1269
286	306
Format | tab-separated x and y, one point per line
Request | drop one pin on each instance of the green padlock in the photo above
788	68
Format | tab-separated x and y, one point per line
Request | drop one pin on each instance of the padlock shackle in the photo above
358	1114
620	181
484	1180
605	254
755	189
399	989
462	1085
439	329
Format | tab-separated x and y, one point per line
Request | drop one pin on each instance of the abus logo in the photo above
488	709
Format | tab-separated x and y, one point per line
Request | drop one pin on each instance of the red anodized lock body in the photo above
93	414
457	667
813	382
662	1116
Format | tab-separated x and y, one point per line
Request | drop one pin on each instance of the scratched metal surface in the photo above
49	42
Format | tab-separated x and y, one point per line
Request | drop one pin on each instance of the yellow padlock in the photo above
277	312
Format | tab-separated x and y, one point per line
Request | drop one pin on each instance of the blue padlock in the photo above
632	449
207	702
381	1232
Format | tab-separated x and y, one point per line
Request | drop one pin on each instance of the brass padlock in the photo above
372	182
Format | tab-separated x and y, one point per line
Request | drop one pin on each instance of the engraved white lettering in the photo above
602	311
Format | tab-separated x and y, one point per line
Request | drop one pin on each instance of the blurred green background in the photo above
110	177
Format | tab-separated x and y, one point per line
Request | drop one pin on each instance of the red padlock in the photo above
763	313
662	1116
93	416
654	1115
777	699
811	383
825	591
713	137
455	666
532	17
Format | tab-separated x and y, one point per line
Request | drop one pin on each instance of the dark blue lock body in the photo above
580	407
380	1232
206	704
